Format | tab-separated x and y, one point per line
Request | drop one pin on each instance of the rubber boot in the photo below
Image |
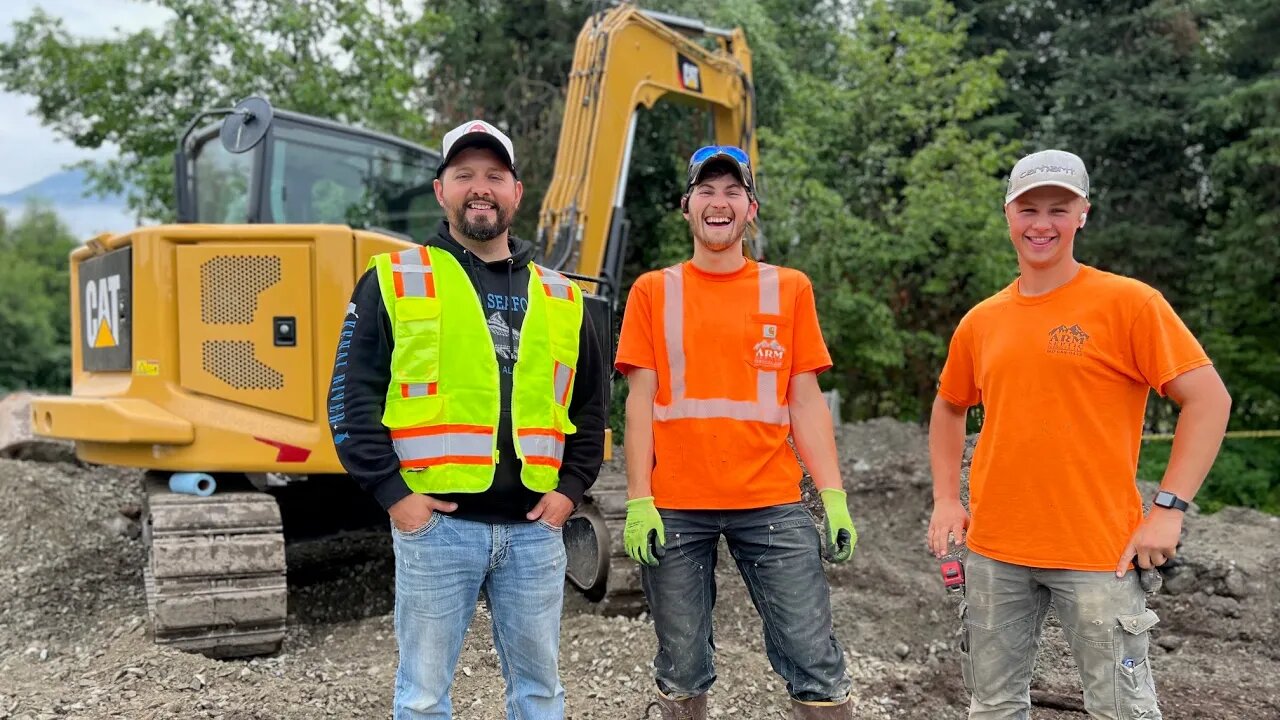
830	710
694	708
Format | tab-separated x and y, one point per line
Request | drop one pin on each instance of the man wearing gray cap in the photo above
468	397
1062	361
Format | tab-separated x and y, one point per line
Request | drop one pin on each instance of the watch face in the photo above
1164	498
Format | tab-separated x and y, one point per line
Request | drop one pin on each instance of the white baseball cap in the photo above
477	133
1048	167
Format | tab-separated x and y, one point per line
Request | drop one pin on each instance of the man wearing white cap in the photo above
468	396
1062	361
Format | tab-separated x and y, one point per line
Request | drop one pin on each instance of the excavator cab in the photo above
260	165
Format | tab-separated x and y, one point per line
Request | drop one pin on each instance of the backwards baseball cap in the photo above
1048	167
477	133
735	157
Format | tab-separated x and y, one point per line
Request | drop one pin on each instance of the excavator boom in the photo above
626	60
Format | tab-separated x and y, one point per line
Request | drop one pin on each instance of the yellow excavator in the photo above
202	349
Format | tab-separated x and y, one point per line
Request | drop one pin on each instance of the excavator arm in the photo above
627	59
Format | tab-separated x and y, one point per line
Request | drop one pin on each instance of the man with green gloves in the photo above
722	356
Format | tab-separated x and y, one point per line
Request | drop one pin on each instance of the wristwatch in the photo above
1166	499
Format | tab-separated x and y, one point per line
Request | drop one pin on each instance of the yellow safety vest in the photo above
444	398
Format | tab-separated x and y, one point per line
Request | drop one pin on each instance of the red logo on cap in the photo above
478	127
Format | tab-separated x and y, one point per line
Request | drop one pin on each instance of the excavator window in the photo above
222	182
314	174
321	176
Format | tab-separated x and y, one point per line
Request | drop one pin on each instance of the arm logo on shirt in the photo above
769	353
1065	340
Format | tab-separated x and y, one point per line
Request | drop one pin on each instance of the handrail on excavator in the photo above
626	59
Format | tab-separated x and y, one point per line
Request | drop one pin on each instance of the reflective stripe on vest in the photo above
418	389
555	284
542	447
412	273
564	381
764	409
423	447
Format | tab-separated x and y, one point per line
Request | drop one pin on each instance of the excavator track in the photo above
215	570
623	594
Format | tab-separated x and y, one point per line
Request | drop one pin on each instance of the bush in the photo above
34	290
1246	473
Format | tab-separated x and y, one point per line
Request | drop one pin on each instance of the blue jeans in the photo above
779	557
440	570
1105	619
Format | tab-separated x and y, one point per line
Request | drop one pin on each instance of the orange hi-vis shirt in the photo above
725	348
1063	379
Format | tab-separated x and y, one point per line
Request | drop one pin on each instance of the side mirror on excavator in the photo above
245	126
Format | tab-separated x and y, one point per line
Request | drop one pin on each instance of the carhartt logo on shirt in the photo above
1065	340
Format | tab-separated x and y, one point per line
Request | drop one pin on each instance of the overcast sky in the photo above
31	152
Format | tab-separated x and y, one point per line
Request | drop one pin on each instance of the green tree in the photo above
1118	84
1238	283
507	61
34	290
885	196
349	60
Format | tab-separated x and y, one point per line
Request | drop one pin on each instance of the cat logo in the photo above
690	74
102	311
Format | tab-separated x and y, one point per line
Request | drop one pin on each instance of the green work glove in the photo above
841	535
644	525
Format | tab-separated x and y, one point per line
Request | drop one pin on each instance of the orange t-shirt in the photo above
721	464
1063	378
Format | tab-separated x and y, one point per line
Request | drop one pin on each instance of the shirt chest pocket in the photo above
767	342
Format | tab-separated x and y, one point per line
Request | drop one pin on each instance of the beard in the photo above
481	230
720	243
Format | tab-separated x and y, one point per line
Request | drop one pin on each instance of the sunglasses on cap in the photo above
736	154
701	155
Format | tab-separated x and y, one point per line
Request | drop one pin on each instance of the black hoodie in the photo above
362	371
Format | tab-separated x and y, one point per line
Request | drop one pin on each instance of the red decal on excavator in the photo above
288	453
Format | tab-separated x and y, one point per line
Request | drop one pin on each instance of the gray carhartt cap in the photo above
1048	167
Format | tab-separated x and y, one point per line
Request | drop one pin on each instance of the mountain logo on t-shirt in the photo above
769	354
1065	340
506	342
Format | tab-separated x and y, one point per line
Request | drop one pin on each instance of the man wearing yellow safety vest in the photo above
468	397
722	356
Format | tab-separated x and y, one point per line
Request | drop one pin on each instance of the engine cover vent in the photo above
230	285
232	361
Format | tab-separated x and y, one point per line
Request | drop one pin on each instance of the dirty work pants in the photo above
440	570
1106	622
778	555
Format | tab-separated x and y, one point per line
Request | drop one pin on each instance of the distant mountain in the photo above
65	192
69	187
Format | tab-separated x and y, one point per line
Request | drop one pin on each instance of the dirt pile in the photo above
73	642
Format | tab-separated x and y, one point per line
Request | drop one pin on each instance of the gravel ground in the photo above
74	644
